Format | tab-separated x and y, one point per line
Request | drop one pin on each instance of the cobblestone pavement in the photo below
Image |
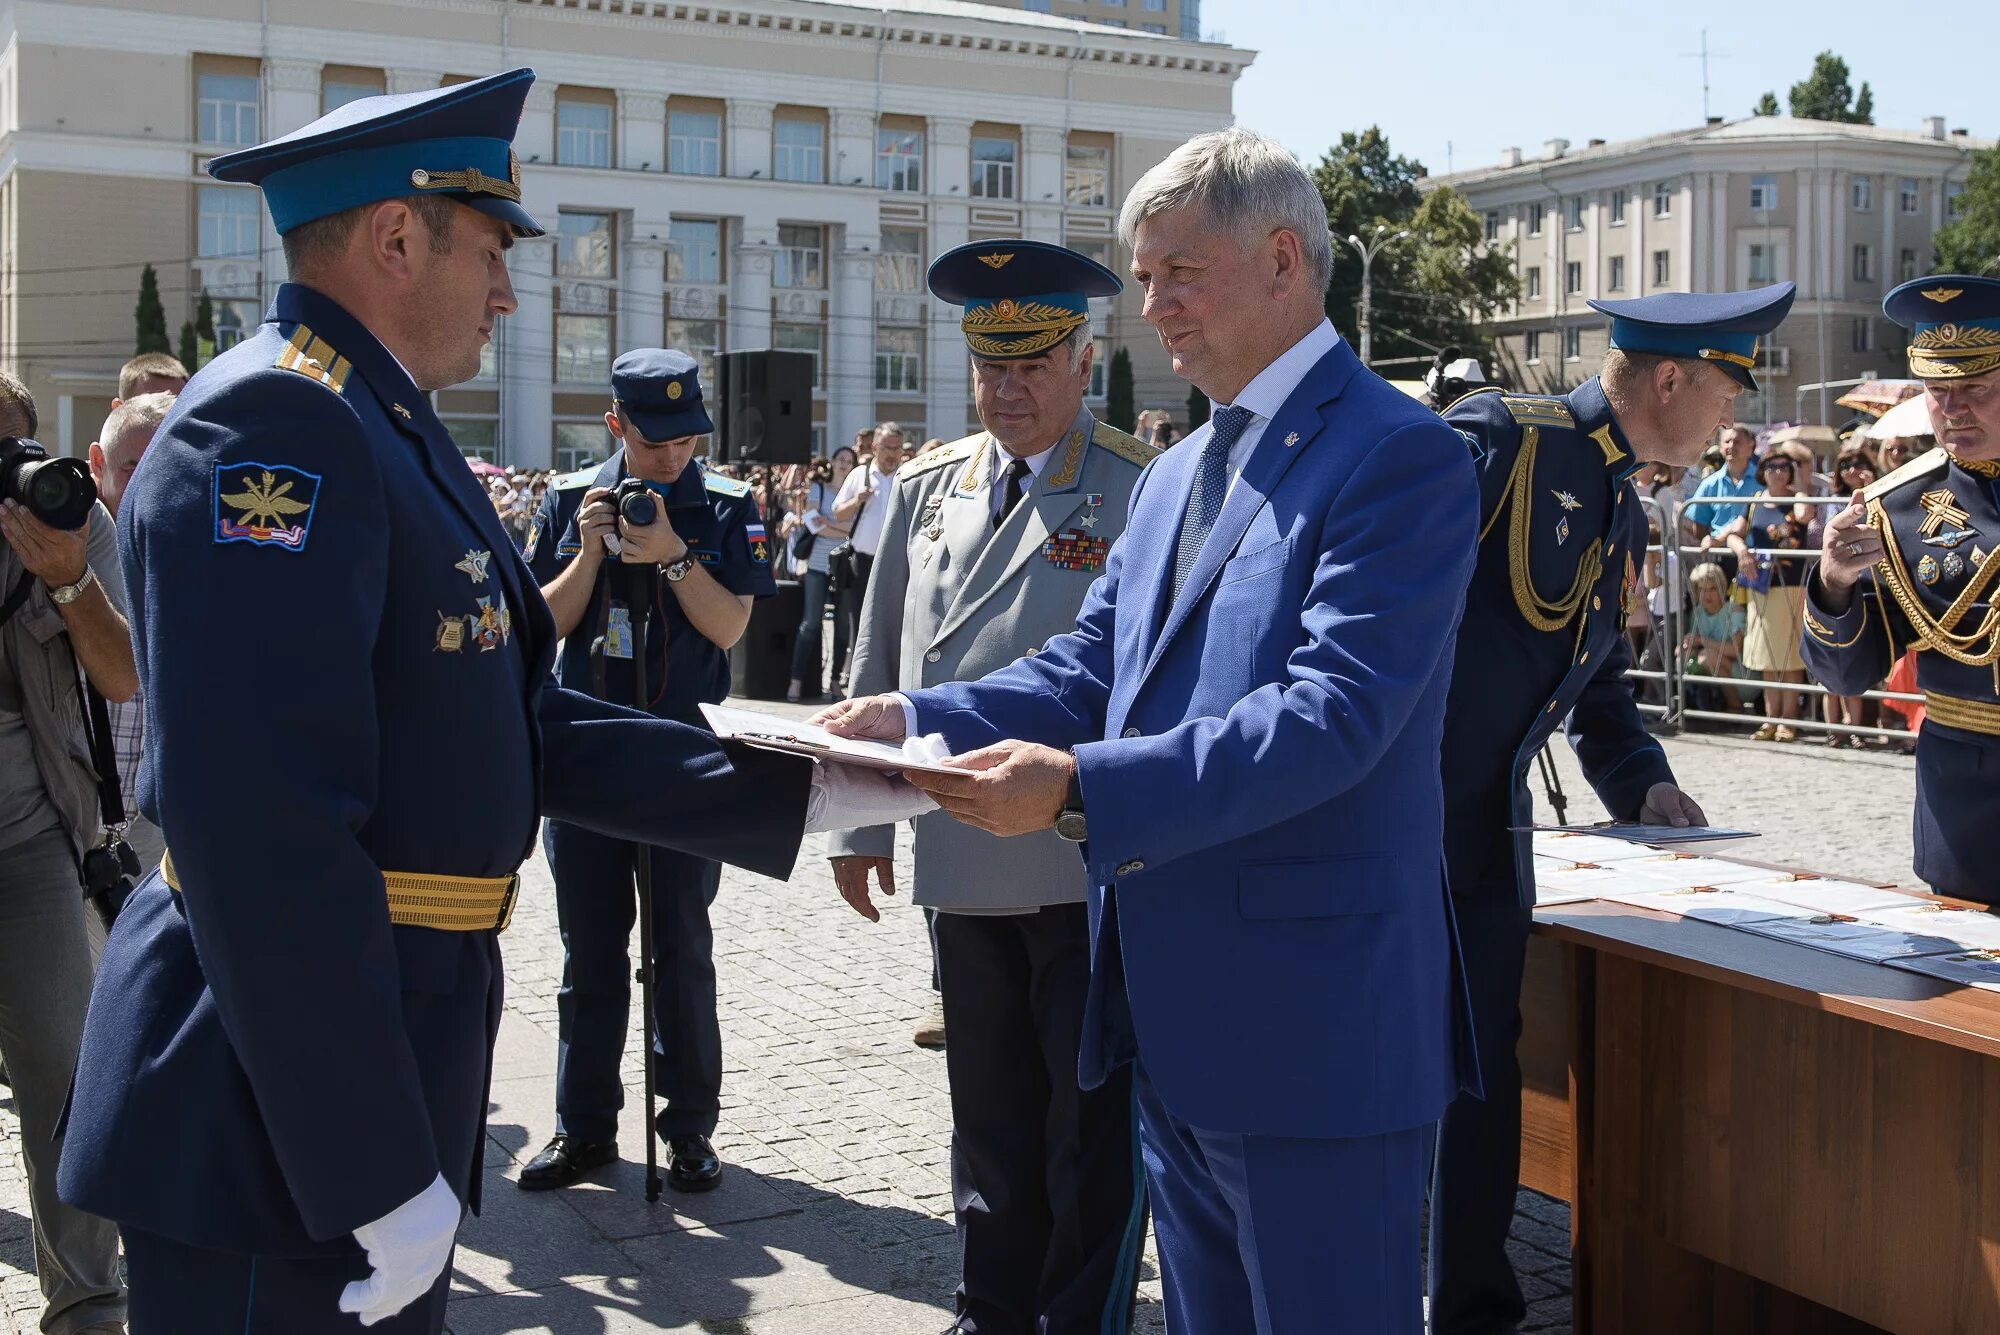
835	1212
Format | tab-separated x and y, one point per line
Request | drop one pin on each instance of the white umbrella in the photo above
1911	417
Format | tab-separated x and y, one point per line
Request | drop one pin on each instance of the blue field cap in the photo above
659	390
457	142
1954	324
1021	298
1717	327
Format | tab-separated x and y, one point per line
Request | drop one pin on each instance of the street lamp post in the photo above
1368	251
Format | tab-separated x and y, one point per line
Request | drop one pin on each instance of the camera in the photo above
109	871
59	492
636	503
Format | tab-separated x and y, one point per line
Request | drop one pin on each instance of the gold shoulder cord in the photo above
1536	610
1977	648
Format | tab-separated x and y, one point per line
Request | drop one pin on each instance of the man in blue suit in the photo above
1242	734
352	735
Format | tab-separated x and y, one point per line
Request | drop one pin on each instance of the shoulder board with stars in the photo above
931	460
1922	466
582	477
1538	412
314	358
1129	448
724	486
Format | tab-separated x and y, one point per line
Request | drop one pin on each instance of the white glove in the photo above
847	797
409	1248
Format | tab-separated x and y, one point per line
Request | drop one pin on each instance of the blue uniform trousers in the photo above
1472	1283
1284	1235
596	905
1046	1189
183	1290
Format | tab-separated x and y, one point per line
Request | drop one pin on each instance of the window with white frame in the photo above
806	338
798	149
1093	248
1864	265
234	322
334	93
1614	280
899	360
1763	263
583	349
1154	6
1663	200
1087	176
226	109
701	340
229	222
1573	277
583	245
1954	199
1531	345
899	265
1100	369
1863	334
993	167
694	142
1663	267
1492	224
800	260
1573	343
1618	200
899	161
477	437
1763	194
1906	265
1907	195
1534	220
694	250
580	444
583	133
1573	213
1533	290
1861	193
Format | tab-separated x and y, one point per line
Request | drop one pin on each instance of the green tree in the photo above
1119	406
150	315
188	347
204	320
1970	242
1767	105
1197	407
1435	288
1827	95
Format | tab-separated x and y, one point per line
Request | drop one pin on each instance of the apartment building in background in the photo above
1844	211
1174	18
777	174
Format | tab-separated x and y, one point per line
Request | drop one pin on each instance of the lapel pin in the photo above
401	410
1291	440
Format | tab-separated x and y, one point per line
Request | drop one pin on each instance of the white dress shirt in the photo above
1269	388
867	526
997	462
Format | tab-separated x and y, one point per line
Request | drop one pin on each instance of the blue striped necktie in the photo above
1211	483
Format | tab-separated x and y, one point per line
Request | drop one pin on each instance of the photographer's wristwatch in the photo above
66	594
676	571
1069	821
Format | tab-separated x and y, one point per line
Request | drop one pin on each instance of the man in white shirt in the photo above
862	504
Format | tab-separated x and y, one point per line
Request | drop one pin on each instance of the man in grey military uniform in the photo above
988	547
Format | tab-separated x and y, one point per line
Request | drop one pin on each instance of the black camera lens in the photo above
59	492
636	505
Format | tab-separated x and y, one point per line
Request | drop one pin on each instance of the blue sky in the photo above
1433	75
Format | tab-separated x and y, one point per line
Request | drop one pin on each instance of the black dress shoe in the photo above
565	1159
692	1165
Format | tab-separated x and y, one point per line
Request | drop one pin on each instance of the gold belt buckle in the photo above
507	900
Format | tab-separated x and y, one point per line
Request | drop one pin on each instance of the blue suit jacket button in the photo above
1131	732
1127	868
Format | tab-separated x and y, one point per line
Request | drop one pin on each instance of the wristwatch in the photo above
1069	821
69	593
676	571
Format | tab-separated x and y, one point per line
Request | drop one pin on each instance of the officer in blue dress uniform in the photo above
1542	644
702	562
352	734
1909	568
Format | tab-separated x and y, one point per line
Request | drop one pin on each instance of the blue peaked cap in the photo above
1021	298
457	142
1717	327
1954	322
659	390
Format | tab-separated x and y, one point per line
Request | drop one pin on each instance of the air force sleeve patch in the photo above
267	505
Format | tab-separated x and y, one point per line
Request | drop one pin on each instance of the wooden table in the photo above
1756	1136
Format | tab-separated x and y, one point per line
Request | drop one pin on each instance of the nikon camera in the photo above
59	492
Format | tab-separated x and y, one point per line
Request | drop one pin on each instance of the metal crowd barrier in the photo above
1677	558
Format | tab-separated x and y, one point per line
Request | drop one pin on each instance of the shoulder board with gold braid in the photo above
724	486
1129	448
314	358
582	477
1923	465
1537	411
932	460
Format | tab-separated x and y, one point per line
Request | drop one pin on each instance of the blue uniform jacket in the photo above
1259	771
717	518
1933	592
1543	639
346	671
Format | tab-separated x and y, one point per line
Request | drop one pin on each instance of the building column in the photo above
951	160
642	278
642	131
748	138
291	102
527	344
535	139
853	158
1042	161
410	81
850	371
750	288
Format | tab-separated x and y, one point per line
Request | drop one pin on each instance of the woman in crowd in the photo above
1713	645
1776	522
820	535
1853	470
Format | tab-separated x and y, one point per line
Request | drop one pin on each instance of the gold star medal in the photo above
474	565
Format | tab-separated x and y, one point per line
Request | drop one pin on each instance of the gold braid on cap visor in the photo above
1733	358
473	181
1954	351
1040	326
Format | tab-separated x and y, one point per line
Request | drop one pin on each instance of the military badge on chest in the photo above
489	627
1075	549
1944	522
